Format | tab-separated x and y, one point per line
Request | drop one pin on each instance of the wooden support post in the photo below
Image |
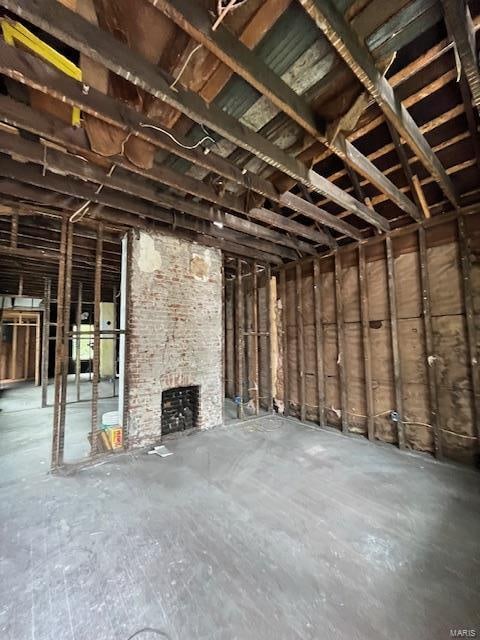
300	340
66	338
341	342
464	246
45	339
254	339
319	341
367	356
57	444
78	361
113	338
96	338
397	376
421	197
239	329
14	351
26	352
37	351
286	384
268	290
14	230
429	345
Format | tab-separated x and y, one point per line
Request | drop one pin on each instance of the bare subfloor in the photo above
268	529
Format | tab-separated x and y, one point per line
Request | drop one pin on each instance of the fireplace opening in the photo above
179	409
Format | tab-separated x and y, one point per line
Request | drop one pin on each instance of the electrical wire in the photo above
149	630
180	144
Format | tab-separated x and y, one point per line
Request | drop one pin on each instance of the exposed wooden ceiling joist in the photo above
102	47
195	20
360	61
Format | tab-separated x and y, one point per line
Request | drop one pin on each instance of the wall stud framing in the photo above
367	354
319	342
397	376
341	342
300	340
286	382
254	338
96	338
239	329
78	362
268	293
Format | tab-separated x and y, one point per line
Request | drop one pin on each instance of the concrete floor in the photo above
264	530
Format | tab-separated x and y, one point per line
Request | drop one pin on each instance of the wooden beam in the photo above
300	340
342	382
286	384
282	222
45	339
96	341
341	36
429	345
367	352
66	341
196	21
254	339
239	339
461	30
319	342
104	48
464	246
421	196
397	376
37	254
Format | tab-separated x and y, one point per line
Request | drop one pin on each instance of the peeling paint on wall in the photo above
149	259
200	266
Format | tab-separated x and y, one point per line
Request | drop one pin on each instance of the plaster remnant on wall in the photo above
200	266
149	259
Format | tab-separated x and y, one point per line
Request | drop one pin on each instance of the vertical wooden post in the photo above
26	352
341	342
224	339
57	444
429	345
367	355
37	350
66	337
286	385
300	340
464	246
268	291
96	338
254	340
397	376
78	322
239	329
113	338
46	339
319	341
14	349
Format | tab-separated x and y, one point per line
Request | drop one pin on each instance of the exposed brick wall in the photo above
175	331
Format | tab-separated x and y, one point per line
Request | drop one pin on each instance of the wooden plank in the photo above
254	338
268	292
37	351
464	246
367	353
421	197
57	442
341	36
78	362
281	222
319	342
39	254
342	382
300	340
196	21
397	376
461	30
433	390
45	339
26	352
66	339
239	331
286	383
96	341
123	61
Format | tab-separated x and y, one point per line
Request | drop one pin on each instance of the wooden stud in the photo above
341	342
239	329
464	246
78	362
254	339
300	340
37	351
46	339
268	293
397	376
14	351
113	338
96	339
367	355
26	352
286	382
429	344
66	338
421	196
57	444
319	342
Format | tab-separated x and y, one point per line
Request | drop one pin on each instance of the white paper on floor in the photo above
161	451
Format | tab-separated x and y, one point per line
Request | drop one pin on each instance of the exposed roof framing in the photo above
361	62
105	49
195	20
460	27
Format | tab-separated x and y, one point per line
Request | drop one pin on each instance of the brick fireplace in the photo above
175	337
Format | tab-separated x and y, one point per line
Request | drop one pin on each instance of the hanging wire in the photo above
180	144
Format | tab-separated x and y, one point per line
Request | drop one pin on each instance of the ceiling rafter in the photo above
195	20
102	47
360	61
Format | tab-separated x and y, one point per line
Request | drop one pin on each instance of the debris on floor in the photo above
161	451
